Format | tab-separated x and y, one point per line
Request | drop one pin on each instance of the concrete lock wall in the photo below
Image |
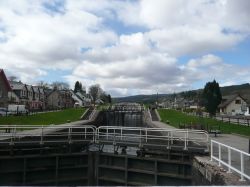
92	168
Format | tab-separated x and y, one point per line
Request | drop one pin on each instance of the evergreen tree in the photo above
212	97
109	98
77	86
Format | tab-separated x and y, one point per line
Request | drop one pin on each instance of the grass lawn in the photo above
48	118
175	118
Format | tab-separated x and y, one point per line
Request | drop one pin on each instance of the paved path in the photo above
232	140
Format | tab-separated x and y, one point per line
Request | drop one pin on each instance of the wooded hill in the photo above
243	89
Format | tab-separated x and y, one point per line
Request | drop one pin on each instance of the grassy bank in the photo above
175	118
58	117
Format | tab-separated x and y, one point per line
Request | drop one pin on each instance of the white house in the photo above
234	105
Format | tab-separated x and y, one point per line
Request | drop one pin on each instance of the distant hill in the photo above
243	89
141	98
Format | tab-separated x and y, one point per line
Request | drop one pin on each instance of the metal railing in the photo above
152	136
92	114
20	134
228	161
28	134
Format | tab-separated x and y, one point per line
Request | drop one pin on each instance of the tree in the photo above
95	91
43	84
109	99
106	98
211	97
60	85
12	78
77	86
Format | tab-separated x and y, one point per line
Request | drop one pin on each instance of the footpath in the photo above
233	140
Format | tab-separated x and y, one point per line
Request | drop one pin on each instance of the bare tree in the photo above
95	92
43	84
60	85
12	78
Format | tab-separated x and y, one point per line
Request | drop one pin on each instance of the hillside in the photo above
243	89
141	98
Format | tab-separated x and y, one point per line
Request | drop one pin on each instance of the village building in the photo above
19	93
58	99
4	89
234	105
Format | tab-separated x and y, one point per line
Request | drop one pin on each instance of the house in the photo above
4	89
37	102
58	99
77	99
42	98
86	98
33	97
13	98
19	93
234	105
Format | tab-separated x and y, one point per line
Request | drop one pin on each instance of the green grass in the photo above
175	118
103	107
48	118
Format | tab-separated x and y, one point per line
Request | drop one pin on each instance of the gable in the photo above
233	99
5	80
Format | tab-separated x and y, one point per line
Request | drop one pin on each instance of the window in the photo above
237	101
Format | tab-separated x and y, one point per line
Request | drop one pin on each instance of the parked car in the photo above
3	111
16	110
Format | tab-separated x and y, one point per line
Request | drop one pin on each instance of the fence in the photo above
240	120
28	134
227	161
157	137
152	136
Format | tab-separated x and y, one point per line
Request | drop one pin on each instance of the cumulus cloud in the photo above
34	38
76	36
209	67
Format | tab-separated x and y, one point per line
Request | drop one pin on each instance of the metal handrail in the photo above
17	133
114	133
92	114
241	172
68	134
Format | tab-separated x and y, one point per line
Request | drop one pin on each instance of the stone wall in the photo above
205	172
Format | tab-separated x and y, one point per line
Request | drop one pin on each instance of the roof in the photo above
17	85
47	92
29	87
228	99
36	89
7	84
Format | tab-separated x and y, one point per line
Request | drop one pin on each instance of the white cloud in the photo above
39	40
209	67
74	36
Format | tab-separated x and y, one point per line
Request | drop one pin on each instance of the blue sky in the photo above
128	47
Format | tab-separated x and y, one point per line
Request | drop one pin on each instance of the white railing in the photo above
228	164
150	117
92	114
154	136
163	137
26	134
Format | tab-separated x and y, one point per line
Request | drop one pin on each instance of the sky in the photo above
129	47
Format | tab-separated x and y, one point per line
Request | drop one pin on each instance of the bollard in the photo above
249	146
